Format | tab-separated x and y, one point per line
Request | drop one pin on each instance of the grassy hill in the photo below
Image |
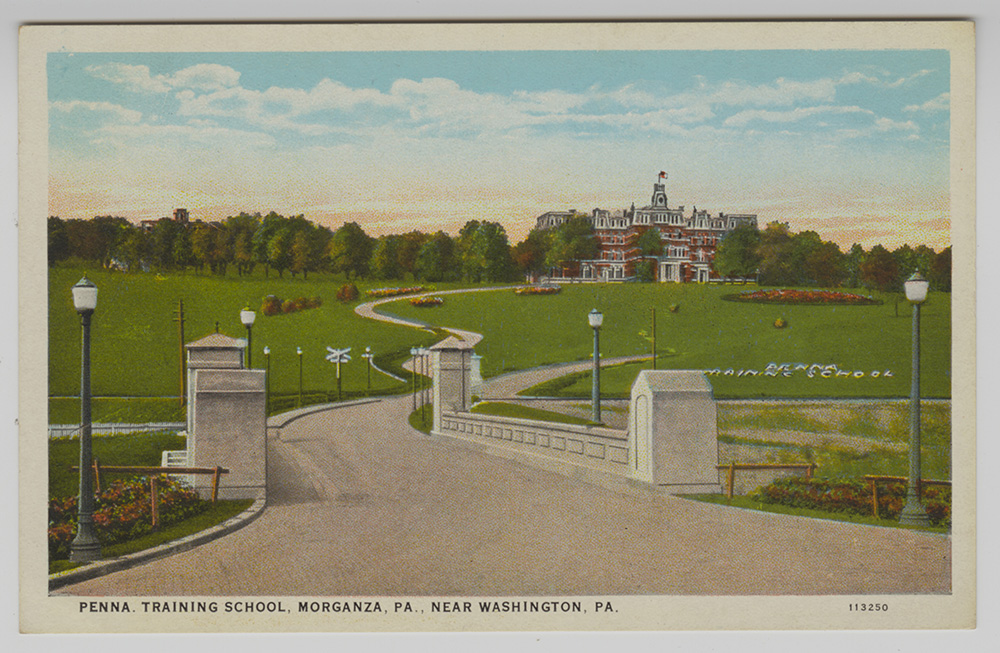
707	333
136	345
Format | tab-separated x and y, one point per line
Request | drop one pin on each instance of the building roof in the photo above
217	341
451	342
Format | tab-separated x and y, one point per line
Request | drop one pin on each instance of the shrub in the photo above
271	305
673	308
853	496
793	296
537	290
780	323
123	512
288	306
348	293
392	292
426	301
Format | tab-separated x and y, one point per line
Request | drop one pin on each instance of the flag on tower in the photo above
663	175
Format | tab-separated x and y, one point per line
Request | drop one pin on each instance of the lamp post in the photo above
413	375
368	356
596	318
247	317
914	513
298	351
85	546
267	379
422	352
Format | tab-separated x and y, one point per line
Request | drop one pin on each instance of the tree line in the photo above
480	252
777	257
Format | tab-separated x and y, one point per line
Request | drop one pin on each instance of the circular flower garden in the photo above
792	296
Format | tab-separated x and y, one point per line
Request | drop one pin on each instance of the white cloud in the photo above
939	103
856	77
744	117
139	79
117	111
887	124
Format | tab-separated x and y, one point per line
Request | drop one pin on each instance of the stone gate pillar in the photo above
673	435
451	361
227	419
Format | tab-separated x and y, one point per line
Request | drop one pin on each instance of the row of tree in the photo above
480	252
778	257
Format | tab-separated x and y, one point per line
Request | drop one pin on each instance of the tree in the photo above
242	229
270	225
299	255
529	254
573	240
649	243
824	266
852	265
775	253
58	240
385	258
351	250
408	248
738	253
940	270
436	259
279	251
645	270
134	249
486	252
879	270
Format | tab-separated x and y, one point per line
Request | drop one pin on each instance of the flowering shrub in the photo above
392	292
347	293
273	305
854	496
537	290
792	296
780	323
122	512
426	301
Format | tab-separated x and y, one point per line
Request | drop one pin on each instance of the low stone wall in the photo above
69	430
587	446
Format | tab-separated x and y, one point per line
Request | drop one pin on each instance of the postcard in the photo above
497	327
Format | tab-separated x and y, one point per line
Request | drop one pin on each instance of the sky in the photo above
851	144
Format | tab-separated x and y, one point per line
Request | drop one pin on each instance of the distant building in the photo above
180	215
689	242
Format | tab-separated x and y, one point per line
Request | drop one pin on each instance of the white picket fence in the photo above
70	430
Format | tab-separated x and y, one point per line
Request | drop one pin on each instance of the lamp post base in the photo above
85	549
914	513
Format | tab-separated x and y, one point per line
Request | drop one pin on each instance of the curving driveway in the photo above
361	505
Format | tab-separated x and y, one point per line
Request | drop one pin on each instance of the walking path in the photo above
361	505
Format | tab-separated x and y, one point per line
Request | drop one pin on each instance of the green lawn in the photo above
135	340
750	504
503	409
706	333
135	347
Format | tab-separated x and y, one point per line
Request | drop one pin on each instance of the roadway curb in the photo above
281	420
104	567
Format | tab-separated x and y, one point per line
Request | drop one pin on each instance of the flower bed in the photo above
426	301
537	290
792	296
854	496
273	305
122	512
392	292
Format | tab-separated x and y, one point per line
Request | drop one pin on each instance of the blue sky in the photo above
853	144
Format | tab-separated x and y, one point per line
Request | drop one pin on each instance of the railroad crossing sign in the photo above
338	356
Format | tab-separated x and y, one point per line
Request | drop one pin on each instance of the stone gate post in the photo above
227	420
451	361
673	435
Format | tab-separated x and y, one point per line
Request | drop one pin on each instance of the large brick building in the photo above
689	241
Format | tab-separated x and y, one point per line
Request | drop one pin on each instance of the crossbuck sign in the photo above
338	356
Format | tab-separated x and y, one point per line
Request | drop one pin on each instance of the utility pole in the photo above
652	312
179	319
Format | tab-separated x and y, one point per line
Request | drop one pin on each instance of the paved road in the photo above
362	506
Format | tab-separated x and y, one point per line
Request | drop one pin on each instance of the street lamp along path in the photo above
595	318
914	513
247	317
85	546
